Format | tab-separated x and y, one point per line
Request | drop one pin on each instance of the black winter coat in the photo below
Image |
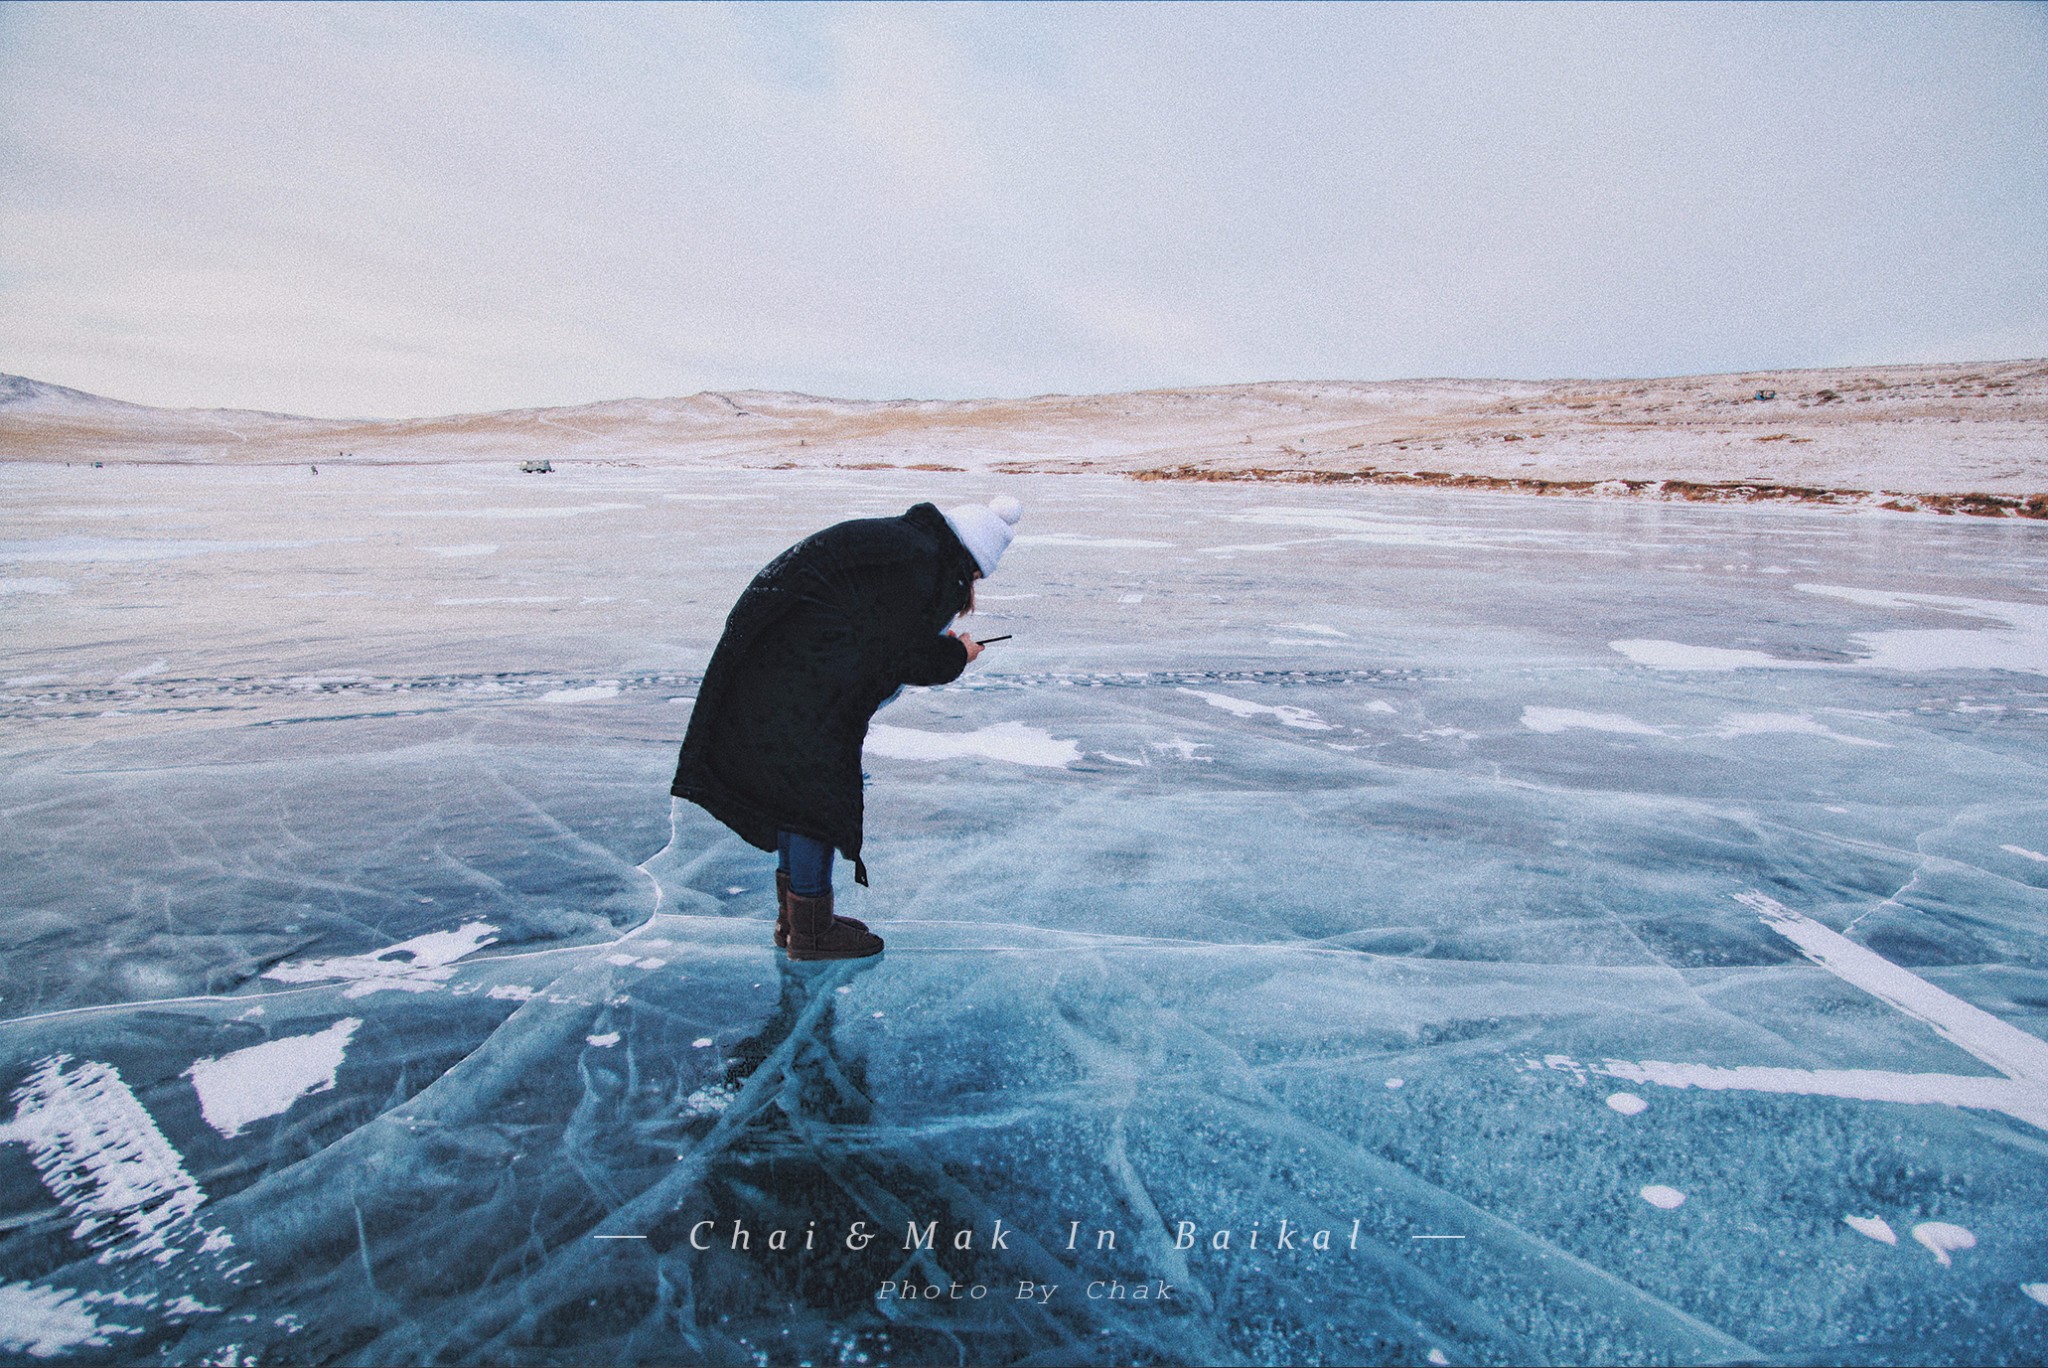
821	638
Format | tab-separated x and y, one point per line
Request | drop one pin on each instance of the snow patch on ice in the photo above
264	1080
1944	1239
1663	1198
1014	742
2019	643
1362	528
1781	724
46	1321
2024	853
1077	539
710	1100
1561	719
1876	1227
1676	655
566	511
1239	707
2038	1291
1627	1103
2013	1052
604	1041
2011	1096
589	693
103	1157
124	550
419	965
131	511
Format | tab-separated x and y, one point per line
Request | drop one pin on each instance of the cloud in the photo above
383	209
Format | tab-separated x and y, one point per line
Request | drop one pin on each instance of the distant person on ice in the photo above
824	636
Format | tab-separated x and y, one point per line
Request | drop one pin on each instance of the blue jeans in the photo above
807	862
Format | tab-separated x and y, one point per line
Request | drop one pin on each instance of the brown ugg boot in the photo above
782	912
815	934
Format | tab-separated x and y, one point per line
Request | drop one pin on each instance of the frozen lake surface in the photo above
1423	928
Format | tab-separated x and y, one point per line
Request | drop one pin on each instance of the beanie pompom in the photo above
986	529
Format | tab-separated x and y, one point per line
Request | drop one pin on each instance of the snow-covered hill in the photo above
1914	430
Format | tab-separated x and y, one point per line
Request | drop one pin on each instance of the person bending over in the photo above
826	634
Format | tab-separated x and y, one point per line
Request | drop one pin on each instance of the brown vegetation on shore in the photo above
1694	491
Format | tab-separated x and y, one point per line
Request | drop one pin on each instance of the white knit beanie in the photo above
986	529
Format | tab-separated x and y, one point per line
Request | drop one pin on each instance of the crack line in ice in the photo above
1510	1242
1106	1063
1921	862
2022	1093
667	1195
598	855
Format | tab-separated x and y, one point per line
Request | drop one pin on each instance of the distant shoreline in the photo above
1949	438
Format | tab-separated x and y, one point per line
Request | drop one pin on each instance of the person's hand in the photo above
973	646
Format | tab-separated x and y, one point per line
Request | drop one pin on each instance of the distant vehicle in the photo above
537	467
1762	395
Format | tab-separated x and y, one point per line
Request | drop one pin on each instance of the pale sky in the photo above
369	210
